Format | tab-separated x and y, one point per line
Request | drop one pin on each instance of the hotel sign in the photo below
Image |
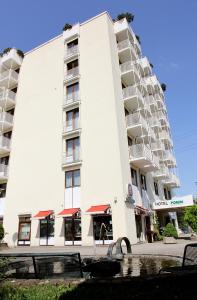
176	202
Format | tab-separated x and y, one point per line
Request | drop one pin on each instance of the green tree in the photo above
67	26
2	233
190	216
127	15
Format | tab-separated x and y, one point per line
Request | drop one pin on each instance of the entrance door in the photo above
72	231
47	232
103	232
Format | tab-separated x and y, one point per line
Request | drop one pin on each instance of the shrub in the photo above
2	233
163	86
7	50
170	231
190	216
66	27
127	15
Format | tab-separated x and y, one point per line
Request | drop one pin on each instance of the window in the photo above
4	160
73	64
24	229
130	141
169	195
72	178
165	193
134	176
3	190
72	44
72	91
156	188
143	182
72	119
72	149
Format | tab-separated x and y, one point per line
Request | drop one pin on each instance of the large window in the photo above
24	230
73	64
72	119
72	91
156	188
72	178
72	44
72	149
143	182
134	177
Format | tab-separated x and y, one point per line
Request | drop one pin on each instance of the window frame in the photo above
72	178
156	188
134	178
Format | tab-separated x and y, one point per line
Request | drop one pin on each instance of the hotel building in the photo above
85	147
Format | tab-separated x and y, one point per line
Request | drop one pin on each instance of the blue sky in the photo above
168	34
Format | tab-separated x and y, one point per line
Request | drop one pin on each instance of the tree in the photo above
20	53
190	216
163	86
127	15
67	26
2	233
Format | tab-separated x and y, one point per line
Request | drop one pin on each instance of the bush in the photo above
190	216
67	26
163	86
127	15
20	53
170	231
7	50
2	232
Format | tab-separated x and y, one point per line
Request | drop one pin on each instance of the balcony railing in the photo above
164	135
3	171
71	98
71	159
72	51
68	128
172	180
136	119
11	59
128	66
8	78
126	44
72	73
130	92
163	172
154	122
157	146
7	98
4	144
169	158
145	66
139	151
6	120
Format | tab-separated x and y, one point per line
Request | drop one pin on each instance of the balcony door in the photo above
72	92
72	149
72	119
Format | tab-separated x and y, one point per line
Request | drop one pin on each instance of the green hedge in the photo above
170	231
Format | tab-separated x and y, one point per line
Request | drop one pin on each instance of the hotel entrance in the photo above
46	228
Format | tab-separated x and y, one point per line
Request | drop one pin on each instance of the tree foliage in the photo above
2	233
170	231
190	216
67	26
163	86
127	15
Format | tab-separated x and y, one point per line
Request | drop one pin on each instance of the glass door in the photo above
103	231
72	231
47	232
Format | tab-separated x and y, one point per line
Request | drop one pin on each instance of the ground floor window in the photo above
24	230
47	231
102	226
138	222
72	227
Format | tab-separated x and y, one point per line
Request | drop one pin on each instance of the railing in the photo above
7	94
164	135
173	180
169	157
157	145
136	119
75	157
6	117
162	172
154	122
67	128
72	51
4	142
72	72
70	98
131	91
3	170
126	44
9	74
128	66
140	150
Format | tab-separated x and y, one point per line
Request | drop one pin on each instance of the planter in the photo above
169	240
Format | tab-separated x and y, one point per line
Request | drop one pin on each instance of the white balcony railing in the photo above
4	143
3	171
131	91
164	135
163	172
128	66
7	96
140	151
157	146
6	117
74	126
72	51
8	75
72	73
154	122
172	180
169	158
127	44
136	119
70	159
72	97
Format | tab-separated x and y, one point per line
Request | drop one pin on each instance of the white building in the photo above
84	132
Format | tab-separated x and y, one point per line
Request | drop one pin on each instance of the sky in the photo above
168	33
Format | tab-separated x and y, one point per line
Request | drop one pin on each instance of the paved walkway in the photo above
156	248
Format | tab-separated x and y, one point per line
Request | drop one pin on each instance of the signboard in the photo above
175	202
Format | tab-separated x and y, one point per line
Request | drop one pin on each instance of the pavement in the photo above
156	248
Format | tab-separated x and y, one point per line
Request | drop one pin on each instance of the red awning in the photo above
139	210
99	209
42	214
68	212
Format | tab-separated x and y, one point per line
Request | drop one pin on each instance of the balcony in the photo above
169	159
71	129
71	52
6	121
11	60
129	73
136	125
145	67
158	146
7	99
162	173
154	123
8	79
122	29
165	137
152	103
126	51
71	160
149	85
4	145
71	33
3	172
71	99
156	83
132	97
145	110
2	205
72	74
141	156
172	181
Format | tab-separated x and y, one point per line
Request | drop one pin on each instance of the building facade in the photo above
86	147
